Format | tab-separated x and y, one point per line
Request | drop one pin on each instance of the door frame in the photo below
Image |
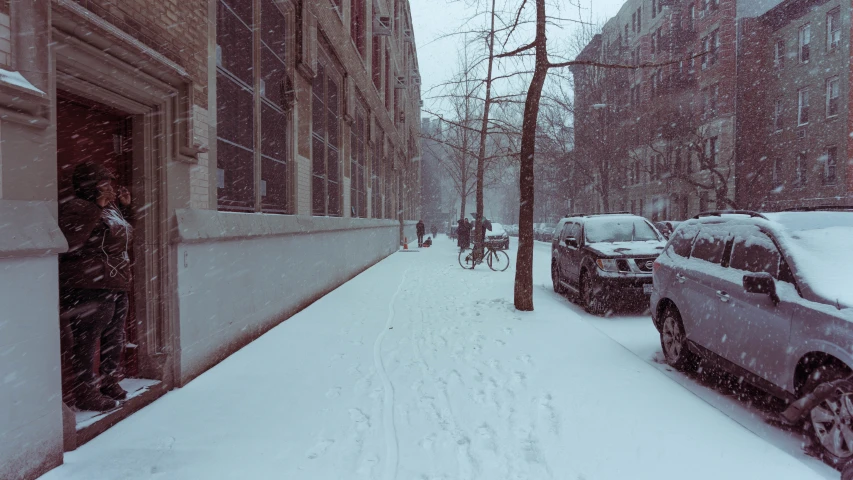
94	60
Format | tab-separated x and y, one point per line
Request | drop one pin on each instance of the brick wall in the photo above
175	28
200	173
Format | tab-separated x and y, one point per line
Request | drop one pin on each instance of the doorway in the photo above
89	131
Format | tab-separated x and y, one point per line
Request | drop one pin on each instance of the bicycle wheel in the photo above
466	259
498	260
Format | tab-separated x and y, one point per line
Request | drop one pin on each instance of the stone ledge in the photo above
202	226
28	229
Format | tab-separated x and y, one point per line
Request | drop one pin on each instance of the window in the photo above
358	165
800	180
274	105
712	149
709	246
803	105
779	54
777	115
640	19
756	254
389	82
710	45
634	22
691	16
376	64
377	164
660	6
325	186
654	8
830	169
832	96
805	41
236	107
626	33
682	241
833	29
654	43
776	170
358	26
390	187
711	98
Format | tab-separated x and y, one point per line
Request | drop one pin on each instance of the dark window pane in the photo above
239	167
242	8
319	161
318	195
756	254
273	28
274	192
235	109
272	77
234	39
709	247
273	133
334	199
333	165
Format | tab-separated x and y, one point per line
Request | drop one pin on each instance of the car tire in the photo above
673	341
589	300
555	279
834	412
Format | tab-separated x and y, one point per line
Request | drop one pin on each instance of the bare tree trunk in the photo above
524	260
481	154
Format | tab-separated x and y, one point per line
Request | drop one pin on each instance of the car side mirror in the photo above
761	283
572	242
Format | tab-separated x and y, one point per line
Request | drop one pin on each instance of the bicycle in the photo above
497	260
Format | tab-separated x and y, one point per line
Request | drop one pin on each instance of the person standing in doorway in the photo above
421	231
94	281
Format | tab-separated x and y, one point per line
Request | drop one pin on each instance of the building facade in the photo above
795	106
660	137
271	148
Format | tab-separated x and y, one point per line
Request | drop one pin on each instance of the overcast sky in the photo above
434	18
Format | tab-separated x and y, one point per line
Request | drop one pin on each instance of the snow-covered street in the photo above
418	369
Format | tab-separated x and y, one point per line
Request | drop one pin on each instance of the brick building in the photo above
795	106
660	138
271	150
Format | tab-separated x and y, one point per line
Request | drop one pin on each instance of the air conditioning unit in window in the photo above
402	116
416	80
400	84
421	103
801	133
382	25
407	35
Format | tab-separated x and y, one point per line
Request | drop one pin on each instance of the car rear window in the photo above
709	246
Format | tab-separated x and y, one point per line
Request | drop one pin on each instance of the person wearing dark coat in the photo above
421	231
434	231
94	281
464	234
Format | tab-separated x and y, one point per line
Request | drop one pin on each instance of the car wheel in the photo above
591	302
555	279
673	341
830	423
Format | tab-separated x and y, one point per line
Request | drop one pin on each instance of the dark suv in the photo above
604	259
769	298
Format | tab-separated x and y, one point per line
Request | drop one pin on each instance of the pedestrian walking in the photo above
464	234
420	228
434	231
94	280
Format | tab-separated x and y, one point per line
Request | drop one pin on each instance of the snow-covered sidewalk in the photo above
418	369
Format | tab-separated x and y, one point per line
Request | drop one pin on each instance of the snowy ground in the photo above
418	369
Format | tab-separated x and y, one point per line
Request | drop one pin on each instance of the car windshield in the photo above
819	244
620	229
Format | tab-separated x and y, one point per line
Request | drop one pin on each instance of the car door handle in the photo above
681	278
723	296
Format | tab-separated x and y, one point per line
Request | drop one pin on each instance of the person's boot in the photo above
88	398
114	391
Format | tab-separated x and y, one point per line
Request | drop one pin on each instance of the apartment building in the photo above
794	147
659	139
271	148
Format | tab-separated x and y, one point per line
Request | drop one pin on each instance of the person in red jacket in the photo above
94	280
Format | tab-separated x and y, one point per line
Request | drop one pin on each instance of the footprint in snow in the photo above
319	449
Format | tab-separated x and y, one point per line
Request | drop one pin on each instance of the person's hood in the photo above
86	177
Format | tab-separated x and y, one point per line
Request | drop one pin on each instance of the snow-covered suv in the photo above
769	298
604	259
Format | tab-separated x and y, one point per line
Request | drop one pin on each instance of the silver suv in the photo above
769	298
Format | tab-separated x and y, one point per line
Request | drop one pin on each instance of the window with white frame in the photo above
805	40
800	179
776	173
832	96
712	150
710	45
833	29
779	54
777	115
803	107
830	168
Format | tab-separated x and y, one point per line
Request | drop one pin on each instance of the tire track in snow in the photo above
391	447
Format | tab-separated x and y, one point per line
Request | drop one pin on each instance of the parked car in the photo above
666	227
769	298
546	232
604	259
497	237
